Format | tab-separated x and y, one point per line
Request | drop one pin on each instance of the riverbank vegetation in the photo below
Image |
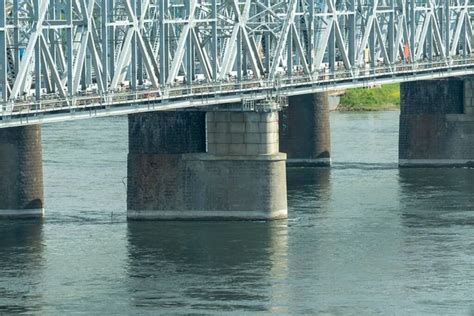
385	97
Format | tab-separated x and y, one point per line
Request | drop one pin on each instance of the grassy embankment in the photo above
386	97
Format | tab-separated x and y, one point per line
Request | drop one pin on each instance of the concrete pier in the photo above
437	123
305	130
21	172
171	174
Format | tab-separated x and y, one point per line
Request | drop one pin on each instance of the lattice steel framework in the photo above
71	52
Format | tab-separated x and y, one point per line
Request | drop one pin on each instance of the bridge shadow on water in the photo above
21	264
309	190
437	216
437	197
309	181
206	266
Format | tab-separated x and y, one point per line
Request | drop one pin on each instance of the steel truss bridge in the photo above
71	59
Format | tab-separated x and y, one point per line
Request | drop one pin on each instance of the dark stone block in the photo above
21	168
304	127
433	130
443	96
174	132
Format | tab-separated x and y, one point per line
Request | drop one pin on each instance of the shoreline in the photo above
345	109
380	98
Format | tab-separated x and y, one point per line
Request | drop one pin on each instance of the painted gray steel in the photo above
73	59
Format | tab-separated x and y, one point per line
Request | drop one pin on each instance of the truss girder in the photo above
64	49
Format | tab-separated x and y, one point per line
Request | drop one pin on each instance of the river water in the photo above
362	237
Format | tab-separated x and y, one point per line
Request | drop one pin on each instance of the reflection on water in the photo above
309	191
208	265
437	197
437	211
21	261
309	182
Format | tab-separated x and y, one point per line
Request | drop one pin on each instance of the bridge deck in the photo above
55	109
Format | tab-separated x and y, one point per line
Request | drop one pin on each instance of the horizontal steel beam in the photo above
296	86
64	55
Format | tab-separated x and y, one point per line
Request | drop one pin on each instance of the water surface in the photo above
362	237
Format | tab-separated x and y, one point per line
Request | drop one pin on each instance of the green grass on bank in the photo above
386	97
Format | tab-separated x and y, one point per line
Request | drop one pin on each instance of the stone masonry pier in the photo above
21	172
305	130
437	123
223	164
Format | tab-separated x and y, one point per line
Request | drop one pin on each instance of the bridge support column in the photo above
21	172
172	176
437	123
304	130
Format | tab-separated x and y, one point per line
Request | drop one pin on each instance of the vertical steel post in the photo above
133	47
166	38
3	52
463	34
214	42
289	53
447	27
430	38
268	40
16	35
105	44
372	46
163	41
332	47
412	29
310	35
352	33
37	55
49	35
392	46
296	29
239	55
69	47
109	18
140	69
189	44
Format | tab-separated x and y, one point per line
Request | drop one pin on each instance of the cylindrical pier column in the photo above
305	130
21	172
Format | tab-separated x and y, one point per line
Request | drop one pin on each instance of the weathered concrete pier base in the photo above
437	123
171	175
21	172
305	130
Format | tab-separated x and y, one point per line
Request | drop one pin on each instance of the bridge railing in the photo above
211	91
73	46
